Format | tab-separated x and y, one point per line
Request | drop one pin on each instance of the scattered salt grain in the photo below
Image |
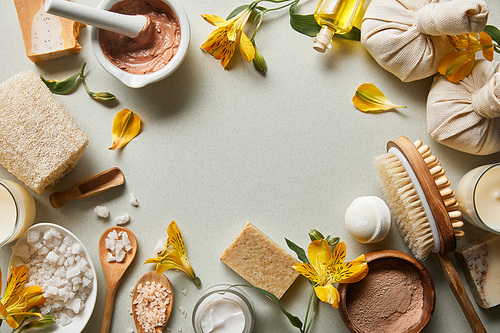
122	219
129	330
179	330
151	305
58	264
118	244
183	311
133	200
160	248
101	211
184	292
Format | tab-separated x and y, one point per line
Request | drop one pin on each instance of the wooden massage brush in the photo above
425	209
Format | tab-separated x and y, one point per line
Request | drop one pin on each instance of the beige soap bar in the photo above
39	141
260	261
481	261
46	36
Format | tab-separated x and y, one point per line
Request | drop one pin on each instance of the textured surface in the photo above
260	261
39	141
287	151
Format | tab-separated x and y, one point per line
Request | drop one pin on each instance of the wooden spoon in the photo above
88	187
161	279
113	272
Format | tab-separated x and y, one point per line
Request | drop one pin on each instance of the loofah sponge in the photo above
39	141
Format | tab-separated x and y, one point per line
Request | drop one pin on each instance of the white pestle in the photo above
128	25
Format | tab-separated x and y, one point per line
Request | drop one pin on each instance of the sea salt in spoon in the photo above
128	25
88	187
113	273
161	279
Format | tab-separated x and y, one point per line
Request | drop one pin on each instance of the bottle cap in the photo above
323	39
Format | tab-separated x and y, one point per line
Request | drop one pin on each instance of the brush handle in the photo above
460	294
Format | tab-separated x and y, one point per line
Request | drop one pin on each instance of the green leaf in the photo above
301	254
295	321
236	11
494	34
61	87
354	34
305	24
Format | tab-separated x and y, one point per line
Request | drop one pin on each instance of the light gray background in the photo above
287	151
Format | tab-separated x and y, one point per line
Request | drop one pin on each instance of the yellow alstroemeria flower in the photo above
16	302
328	267
221	43
457	65
175	256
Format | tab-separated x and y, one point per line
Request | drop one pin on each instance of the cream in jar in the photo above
17	211
223	309
155	45
478	194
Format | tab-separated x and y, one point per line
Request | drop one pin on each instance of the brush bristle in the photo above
405	205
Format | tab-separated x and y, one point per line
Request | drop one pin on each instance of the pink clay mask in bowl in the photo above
134	80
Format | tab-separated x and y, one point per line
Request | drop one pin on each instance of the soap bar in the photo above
46	36
481	261
260	261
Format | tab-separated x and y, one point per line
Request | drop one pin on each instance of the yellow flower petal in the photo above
328	294
338	255
369	98
14	283
457	65
126	126
319	255
212	19
349	272
307	271
247	49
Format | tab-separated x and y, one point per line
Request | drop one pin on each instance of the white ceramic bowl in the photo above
141	80
80	320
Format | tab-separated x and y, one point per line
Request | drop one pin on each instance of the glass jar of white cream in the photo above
223	309
17	211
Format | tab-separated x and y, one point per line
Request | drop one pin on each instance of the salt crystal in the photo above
47	235
22	251
129	330
113	234
76	248
160	248
184	292
120	255
52	290
101	211
133	200
72	272
86	282
64	319
183	311
111	257
52	257
122	219
55	233
32	237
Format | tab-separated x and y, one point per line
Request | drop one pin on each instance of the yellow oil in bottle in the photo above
334	17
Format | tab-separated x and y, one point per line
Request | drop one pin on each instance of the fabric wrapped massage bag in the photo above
408	37
466	115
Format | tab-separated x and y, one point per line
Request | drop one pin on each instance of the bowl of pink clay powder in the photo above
397	295
155	53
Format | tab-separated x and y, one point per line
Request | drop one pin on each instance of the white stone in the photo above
133	200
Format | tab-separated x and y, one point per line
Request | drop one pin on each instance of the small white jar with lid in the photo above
223	309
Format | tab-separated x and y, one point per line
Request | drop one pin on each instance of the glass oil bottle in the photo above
334	17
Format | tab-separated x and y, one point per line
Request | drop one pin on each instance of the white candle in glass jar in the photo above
17	209
478	194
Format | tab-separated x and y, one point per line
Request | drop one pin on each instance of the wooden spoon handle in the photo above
460	294
109	302
58	199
